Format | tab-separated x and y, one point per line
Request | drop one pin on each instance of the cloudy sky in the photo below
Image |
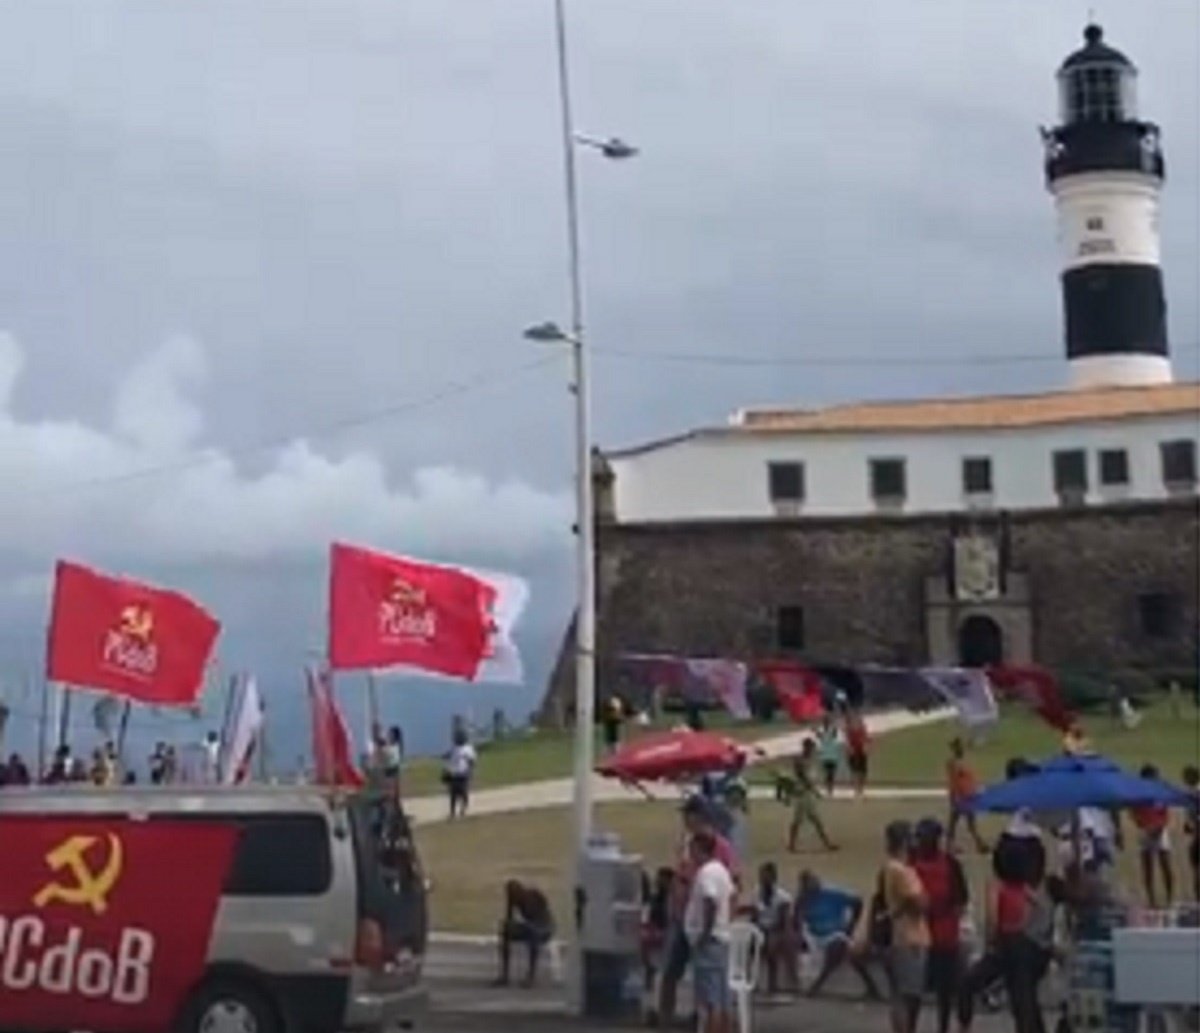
264	267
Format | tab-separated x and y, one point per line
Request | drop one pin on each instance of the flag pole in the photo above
122	731
373	724
226	717
64	716
43	728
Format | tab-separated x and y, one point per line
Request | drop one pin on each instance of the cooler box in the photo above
1157	966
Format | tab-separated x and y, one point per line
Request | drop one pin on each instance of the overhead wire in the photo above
481	381
731	359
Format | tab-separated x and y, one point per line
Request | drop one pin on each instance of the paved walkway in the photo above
556	792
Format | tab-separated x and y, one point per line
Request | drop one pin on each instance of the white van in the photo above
321	925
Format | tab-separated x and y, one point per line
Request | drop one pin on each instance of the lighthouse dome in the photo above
1096	52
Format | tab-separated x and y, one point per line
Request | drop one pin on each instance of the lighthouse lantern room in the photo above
1104	167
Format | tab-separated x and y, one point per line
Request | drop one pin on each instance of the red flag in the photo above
799	689
1037	687
332	748
94	931
131	639
387	611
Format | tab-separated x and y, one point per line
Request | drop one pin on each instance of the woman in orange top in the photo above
1154	845
961	784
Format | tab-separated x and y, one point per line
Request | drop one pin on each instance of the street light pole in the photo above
585	622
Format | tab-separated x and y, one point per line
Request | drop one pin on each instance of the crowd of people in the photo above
913	934
103	767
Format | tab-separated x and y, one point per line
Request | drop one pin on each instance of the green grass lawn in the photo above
916	756
537	755
468	861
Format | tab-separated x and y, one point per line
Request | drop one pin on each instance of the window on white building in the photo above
1070	474
785	481
1179	463
789	628
888	483
977	475
1114	467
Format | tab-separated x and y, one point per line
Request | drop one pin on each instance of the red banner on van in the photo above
105	922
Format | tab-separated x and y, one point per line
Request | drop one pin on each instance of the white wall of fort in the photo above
724	474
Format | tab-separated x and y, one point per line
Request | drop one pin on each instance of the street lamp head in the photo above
617	149
546	333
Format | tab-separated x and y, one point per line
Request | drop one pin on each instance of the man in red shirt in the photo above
697	819
858	742
945	887
1154	846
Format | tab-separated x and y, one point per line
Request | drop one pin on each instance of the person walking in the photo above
829	752
806	798
961	784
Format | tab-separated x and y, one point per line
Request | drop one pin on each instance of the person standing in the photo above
1191	780
858	745
611	718
459	770
829	752
961	784
697	821
945	885
905	903
1154	846
706	923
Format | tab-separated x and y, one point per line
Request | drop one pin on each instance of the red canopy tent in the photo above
674	756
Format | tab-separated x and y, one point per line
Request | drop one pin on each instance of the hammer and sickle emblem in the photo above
137	622
91	888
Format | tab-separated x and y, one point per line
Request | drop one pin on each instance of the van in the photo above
321	923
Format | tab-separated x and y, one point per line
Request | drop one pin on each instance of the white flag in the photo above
245	736
968	691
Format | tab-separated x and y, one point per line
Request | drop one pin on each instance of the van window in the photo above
281	855
277	855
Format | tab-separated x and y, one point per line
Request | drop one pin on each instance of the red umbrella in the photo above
672	756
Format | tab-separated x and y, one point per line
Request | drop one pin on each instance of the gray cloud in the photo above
350	204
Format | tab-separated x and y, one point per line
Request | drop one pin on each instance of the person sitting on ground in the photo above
1154	846
962	784
825	919
527	920
772	914
805	802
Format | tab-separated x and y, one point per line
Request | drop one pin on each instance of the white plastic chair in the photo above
745	960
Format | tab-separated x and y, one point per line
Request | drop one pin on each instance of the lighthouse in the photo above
1104	167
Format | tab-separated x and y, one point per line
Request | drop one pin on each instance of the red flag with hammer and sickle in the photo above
131	639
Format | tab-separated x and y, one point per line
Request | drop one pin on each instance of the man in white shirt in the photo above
706	923
460	766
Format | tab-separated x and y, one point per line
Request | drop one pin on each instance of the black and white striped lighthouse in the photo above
1104	167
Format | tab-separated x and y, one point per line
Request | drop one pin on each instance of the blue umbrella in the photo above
1067	783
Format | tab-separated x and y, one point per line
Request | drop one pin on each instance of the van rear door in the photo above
390	894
